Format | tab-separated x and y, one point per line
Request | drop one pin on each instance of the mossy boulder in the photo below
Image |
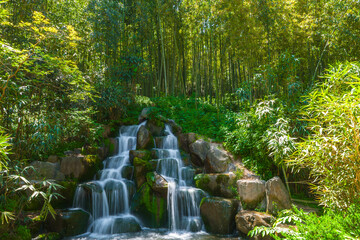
156	126
82	167
221	184
142	154
218	214
111	145
141	167
69	222
149	207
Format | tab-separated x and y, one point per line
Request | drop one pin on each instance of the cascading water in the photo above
183	199
107	199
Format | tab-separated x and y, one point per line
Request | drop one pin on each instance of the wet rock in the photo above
149	207
157	183
143	154
53	159
144	139
112	146
217	160
175	128
278	197
155	126
248	220
68	222
141	168
45	170
220	185
125	225
198	152
218	214
252	193
127	172
144	115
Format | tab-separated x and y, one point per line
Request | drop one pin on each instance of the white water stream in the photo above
107	199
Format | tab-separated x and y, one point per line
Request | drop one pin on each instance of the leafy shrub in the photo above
301	225
331	152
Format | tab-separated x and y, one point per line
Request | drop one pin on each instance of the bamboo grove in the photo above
209	48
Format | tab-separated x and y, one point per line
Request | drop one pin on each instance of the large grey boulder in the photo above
217	160
218	214
73	166
217	184
68	222
45	170
248	220
198	152
144	139
252	193
278	197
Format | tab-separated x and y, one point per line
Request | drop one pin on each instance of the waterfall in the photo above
109	195
183	199
107	199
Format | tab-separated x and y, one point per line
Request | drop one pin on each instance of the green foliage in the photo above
331	152
301	225
196	116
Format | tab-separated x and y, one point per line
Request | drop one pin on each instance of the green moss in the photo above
94	164
223	179
202	181
141	162
150	178
150	207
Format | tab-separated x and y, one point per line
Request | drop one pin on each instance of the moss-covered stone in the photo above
93	165
221	185
149	207
111	145
142	167
142	154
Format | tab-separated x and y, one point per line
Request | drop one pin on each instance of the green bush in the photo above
331	152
